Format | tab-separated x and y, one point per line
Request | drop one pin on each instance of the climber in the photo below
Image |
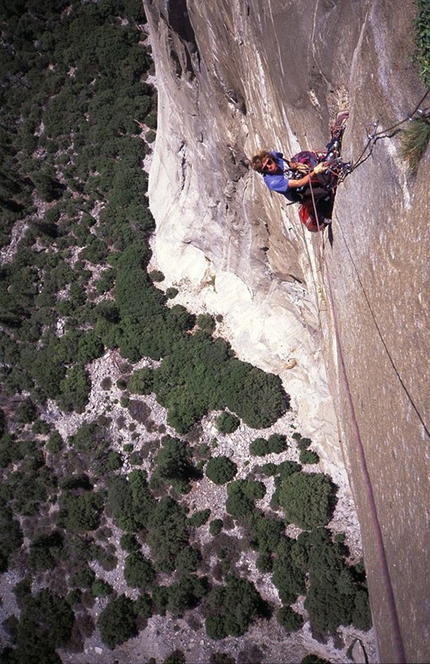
278	174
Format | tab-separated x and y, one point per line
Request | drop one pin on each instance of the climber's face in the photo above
270	165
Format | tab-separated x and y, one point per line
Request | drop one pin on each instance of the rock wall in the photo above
341	317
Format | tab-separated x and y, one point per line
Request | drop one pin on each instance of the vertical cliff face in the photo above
340	318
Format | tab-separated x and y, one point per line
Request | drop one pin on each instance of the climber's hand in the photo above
320	168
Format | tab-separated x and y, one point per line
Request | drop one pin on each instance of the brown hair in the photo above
257	160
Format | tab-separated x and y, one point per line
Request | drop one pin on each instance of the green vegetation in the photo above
275	444
230	608
307	499
227	423
422	39
221	469
414	141
117	622
415	137
308	456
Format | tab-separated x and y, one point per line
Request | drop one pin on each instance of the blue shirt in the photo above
279	181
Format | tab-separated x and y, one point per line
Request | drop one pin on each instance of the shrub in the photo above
287	468
266	532
143	606
241	495
205	322
308	456
171	292
227	423
186	594
129	543
259	447
188	559
199	518
11	536
156	275
101	588
277	443
138	571
361	615
264	563
45	623
80	512
422	40
270	469
45	551
220	469
287	577
307	499
167	533
173	463
215	527
332	595
141	381
230	609
289	619
415	139
117	622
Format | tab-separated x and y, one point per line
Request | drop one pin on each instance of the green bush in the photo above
422	40
101	588
307	499
171	293
167	533
139	572
206	322
185	594
270	469
287	468
129	543
334	595
130	501
11	536
174	464
80	512
45	623
199	518
141	381
117	622
277	443
361	614
266	532
308	456
45	551
415	138
220	470
241	495
188	559
215	527
230	609
227	423
288	578
156	275
289	619
259	447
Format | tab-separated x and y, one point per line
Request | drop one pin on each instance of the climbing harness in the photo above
339	170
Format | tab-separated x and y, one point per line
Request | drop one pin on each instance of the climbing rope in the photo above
373	136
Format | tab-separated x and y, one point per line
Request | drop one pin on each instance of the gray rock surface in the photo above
343	319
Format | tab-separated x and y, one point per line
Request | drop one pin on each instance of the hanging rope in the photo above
373	136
